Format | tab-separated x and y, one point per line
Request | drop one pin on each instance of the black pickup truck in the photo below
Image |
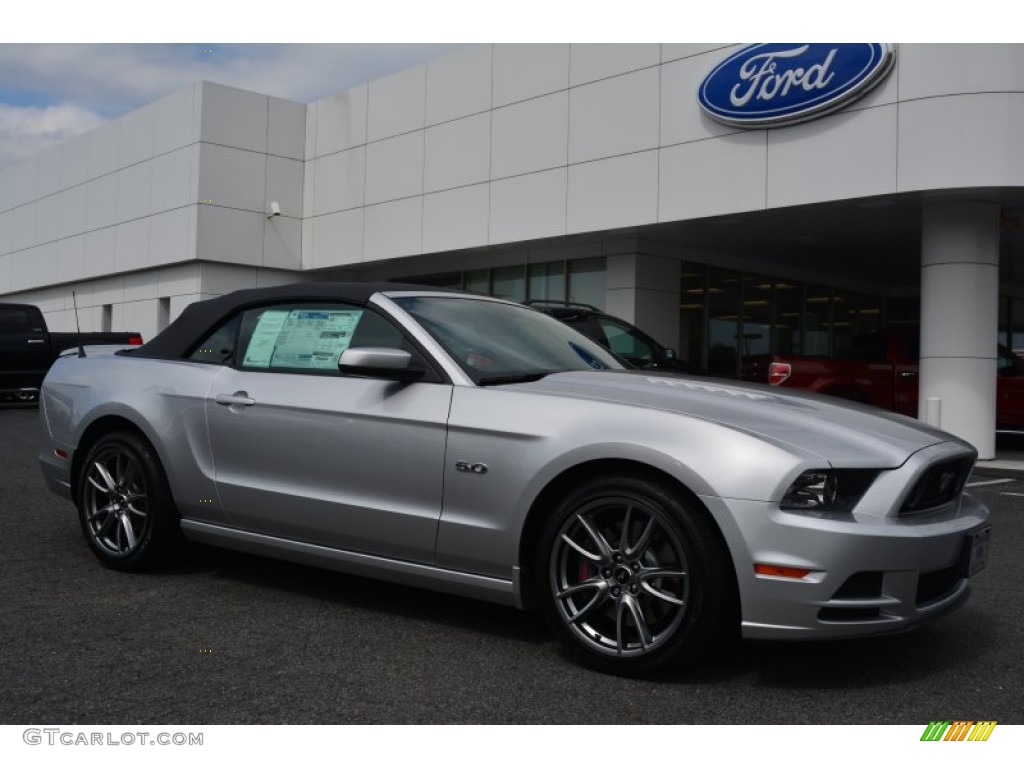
27	349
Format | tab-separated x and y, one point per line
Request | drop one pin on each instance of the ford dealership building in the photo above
728	199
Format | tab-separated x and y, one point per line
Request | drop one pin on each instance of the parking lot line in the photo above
990	482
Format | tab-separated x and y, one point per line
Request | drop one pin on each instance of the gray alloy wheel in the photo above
619	575
124	504
633	577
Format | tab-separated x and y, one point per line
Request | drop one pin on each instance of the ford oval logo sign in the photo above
773	84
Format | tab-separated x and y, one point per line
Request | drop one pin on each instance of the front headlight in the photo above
828	490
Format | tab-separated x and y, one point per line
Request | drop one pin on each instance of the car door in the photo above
305	453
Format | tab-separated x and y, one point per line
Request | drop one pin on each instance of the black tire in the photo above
125	505
669	574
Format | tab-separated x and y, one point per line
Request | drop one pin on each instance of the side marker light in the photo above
782	571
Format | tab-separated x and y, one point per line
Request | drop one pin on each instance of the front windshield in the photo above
496	343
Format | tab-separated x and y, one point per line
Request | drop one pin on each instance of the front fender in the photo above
527	441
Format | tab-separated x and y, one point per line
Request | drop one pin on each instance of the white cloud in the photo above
53	92
28	131
111	79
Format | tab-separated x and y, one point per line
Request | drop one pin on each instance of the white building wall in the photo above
960	256
251	149
489	145
97	214
536	141
183	181
133	299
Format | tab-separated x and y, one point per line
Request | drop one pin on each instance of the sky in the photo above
68	66
52	92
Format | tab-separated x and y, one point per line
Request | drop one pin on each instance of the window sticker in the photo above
264	337
301	338
315	338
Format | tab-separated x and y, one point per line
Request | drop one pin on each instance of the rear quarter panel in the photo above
164	400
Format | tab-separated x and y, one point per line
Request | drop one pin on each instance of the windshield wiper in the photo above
512	378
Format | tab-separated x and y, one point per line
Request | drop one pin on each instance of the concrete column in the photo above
959	320
644	290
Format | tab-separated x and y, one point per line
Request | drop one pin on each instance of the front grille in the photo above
940	484
934	585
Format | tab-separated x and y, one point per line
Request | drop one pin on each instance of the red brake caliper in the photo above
584	570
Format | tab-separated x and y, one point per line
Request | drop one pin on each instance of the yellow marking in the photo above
982	730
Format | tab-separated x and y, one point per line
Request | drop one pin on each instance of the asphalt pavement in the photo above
231	638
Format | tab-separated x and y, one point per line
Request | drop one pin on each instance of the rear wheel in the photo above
125	505
633	577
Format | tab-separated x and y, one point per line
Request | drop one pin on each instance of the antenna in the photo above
78	328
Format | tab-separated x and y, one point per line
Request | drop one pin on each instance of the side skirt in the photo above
413	574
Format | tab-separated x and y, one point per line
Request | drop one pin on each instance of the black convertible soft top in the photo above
200	318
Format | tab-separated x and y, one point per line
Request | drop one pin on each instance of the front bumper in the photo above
868	575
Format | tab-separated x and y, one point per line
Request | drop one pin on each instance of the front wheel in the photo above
124	504
633	577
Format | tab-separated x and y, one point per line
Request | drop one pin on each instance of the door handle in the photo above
36	341
239	398
907	374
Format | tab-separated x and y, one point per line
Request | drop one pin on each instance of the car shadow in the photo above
839	664
882	661
371	594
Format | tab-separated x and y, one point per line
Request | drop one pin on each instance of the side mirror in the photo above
670	354
380	363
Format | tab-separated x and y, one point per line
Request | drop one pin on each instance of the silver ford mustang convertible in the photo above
476	446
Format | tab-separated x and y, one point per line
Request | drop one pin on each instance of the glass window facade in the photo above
724	326
725	315
1011	323
547	281
587	281
509	283
580	281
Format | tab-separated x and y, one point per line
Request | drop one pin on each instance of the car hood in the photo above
841	432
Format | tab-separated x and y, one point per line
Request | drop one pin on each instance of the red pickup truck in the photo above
882	370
